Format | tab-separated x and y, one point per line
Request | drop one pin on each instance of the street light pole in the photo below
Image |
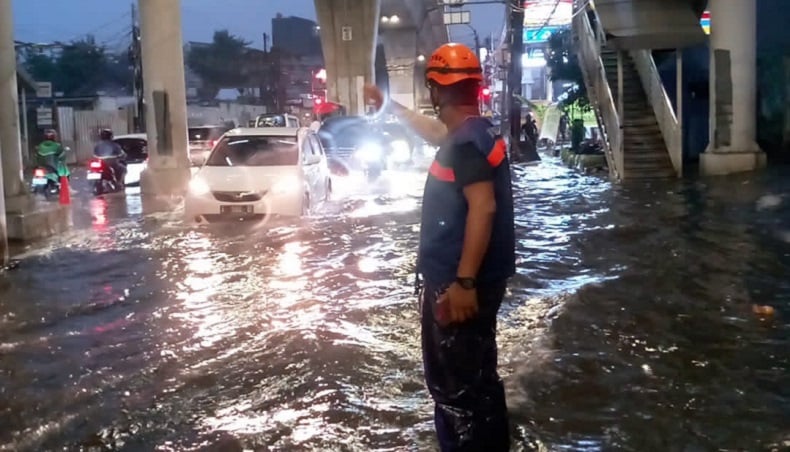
477	39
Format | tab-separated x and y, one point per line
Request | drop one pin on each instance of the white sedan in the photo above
135	146
254	173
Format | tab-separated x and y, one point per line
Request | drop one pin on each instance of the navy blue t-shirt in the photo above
473	153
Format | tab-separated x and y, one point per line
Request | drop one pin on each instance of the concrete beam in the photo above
436	33
400	49
165	99
650	24
349	56
432	35
421	30
408	11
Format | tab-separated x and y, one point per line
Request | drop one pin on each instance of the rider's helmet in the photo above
50	135
454	65
105	135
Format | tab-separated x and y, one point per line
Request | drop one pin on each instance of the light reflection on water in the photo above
628	326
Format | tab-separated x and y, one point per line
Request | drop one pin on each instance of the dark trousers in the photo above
460	363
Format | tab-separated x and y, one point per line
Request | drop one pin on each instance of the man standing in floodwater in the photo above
466	254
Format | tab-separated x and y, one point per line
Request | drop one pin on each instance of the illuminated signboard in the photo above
539	34
553	13
705	22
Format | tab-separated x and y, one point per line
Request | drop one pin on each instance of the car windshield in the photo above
255	151
205	133
271	121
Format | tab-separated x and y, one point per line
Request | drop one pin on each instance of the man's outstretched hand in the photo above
373	96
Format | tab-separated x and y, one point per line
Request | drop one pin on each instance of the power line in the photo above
91	32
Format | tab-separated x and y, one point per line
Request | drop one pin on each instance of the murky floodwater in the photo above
629	326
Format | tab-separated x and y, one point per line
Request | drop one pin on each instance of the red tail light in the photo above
39	172
96	164
212	143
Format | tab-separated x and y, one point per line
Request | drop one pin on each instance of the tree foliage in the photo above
217	64
80	68
563	64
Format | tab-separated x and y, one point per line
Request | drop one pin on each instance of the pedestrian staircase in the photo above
644	149
641	131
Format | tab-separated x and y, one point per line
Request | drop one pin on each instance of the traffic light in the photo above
485	93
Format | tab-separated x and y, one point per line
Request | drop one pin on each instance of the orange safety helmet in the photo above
452	63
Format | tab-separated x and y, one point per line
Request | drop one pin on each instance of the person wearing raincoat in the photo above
466	255
51	154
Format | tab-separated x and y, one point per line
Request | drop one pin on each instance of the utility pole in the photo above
136	57
264	75
514	77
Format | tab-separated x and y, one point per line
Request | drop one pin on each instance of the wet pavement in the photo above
630	325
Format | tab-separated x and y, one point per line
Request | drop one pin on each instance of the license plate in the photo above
39	181
246	209
94	176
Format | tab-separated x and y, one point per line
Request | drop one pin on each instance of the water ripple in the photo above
629	325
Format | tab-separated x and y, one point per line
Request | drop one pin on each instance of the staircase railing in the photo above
589	43
662	106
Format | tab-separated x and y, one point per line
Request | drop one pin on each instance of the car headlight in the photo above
369	152
287	184
401	151
199	187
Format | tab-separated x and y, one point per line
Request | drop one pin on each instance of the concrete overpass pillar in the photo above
165	98
13	181
349	29
7	90
3	230
7	95
733	89
421	94
400	48
21	219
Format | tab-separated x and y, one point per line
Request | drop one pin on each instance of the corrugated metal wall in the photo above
240	114
80	129
65	122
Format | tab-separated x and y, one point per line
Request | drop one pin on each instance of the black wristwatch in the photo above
466	283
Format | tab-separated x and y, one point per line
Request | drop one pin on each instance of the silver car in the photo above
201	140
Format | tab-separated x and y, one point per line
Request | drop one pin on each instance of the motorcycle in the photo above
46	178
103	177
46	181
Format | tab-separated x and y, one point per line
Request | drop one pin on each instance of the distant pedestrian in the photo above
563	129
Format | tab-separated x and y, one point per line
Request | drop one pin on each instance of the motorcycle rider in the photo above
112	154
51	154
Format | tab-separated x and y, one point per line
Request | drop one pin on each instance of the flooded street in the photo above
630	324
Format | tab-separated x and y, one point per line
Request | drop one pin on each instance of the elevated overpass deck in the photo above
350	32
615	40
